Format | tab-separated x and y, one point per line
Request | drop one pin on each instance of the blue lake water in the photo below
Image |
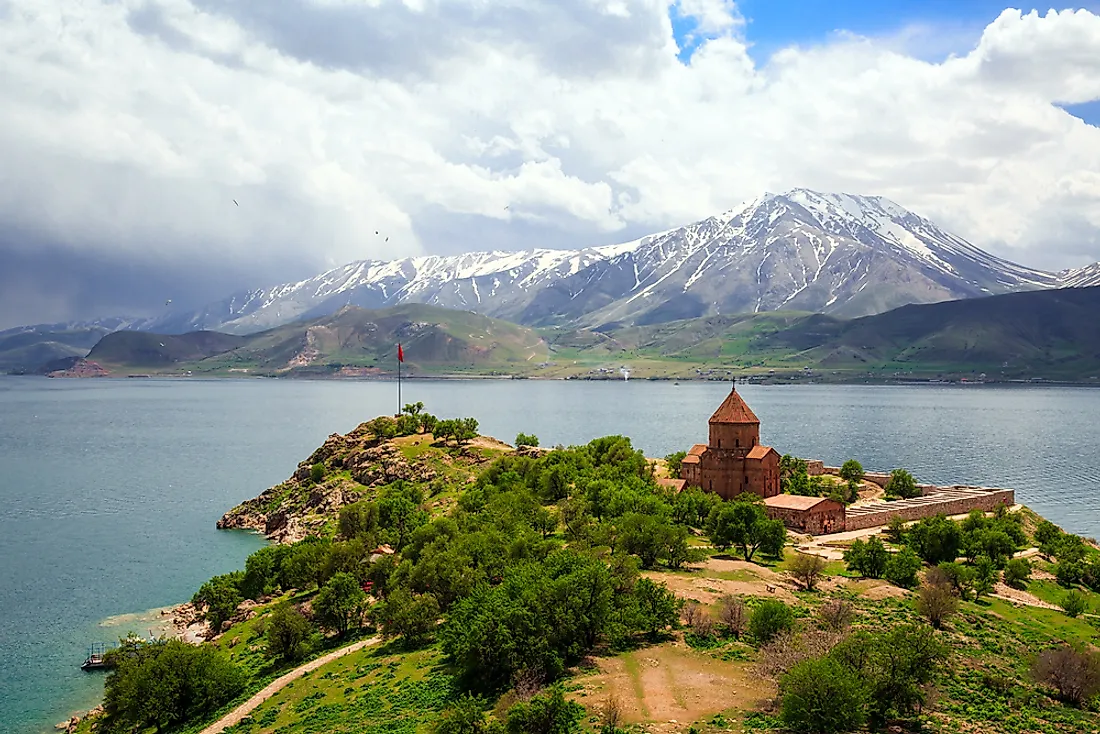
109	489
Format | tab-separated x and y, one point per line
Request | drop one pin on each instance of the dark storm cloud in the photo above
42	282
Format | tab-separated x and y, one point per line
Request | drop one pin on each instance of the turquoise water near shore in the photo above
110	489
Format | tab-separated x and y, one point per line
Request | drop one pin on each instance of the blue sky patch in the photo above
775	24
1089	112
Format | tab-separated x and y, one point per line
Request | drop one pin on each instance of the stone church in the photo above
733	462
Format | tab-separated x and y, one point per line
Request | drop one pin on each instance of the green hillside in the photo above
24	351
353	341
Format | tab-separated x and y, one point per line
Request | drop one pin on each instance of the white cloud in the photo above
130	125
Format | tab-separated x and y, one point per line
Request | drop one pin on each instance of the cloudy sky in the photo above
129	127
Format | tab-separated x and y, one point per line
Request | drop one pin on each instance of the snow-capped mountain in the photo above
1080	277
833	253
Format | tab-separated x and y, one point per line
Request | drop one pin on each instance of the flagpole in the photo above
399	379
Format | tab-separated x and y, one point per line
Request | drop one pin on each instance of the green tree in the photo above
304	564
1074	604
357	519
868	558
413	617
673	461
807	568
263	571
163	684
545	521
526	439
317	472
658	607
773	538
1017	573
466	430
895	529
821	696
852	471
220	595
985	576
287	633
1046	533
740	523
901	484
547	713
935	539
413	409
902	568
339	603
464	716
768	619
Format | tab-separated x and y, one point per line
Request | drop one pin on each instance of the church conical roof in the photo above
734	410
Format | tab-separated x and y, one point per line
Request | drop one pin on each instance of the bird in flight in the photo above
235	203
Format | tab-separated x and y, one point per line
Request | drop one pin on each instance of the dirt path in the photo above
234	717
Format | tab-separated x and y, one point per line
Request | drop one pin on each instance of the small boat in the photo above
97	657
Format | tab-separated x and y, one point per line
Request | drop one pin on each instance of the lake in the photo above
110	488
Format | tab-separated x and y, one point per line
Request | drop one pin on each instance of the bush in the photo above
901	484
317	472
821	697
937	603
412	617
768	619
895	529
220	595
1073	673
287	634
852	471
547	713
1017	573
806	570
163	684
526	439
673	461
1074	604
339	604
732	615
835	615
464	716
902	568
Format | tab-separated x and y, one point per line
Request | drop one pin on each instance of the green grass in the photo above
371	691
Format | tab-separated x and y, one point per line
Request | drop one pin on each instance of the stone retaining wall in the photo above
956	500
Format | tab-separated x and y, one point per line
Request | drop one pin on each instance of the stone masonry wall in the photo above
955	501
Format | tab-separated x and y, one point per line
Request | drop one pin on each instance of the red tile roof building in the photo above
733	462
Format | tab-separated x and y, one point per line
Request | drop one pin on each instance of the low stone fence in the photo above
956	500
816	468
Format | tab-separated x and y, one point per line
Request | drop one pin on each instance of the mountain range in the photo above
837	254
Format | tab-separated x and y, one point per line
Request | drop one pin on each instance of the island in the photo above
422	577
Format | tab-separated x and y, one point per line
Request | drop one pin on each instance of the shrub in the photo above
852	471
835	615
1017	573
937	603
287	633
220	595
1074	674
547	713
673	461
317	472
732	615
464	716
901	484
821	697
526	439
806	569
788	649
1074	604
935	539
902	568
412	617
768	619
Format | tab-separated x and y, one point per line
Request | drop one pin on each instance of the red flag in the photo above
400	354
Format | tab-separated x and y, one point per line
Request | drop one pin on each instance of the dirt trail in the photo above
234	717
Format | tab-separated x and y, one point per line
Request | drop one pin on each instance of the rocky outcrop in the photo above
80	368
354	465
